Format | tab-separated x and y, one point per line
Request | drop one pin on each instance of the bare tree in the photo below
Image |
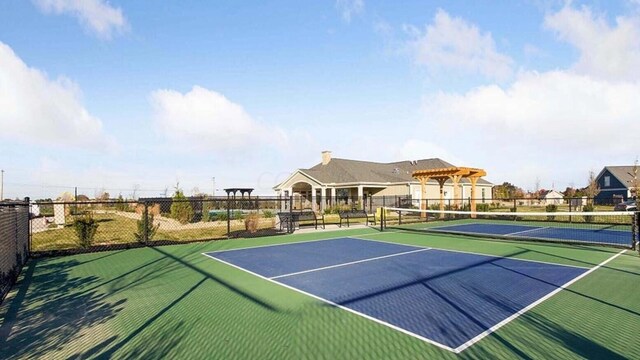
136	188
593	189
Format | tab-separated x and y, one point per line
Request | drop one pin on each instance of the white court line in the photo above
287	243
473	253
404	331
526	231
479	337
349	263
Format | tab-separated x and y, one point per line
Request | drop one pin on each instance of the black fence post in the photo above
290	222
27	200
382	211
145	233
228	217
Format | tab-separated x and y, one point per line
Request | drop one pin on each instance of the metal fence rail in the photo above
14	243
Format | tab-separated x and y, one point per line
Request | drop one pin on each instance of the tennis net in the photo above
618	229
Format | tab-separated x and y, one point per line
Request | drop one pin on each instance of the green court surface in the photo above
171	301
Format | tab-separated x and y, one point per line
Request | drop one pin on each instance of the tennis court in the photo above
602	235
357	293
447	298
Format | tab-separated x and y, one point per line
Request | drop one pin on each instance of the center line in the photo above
349	263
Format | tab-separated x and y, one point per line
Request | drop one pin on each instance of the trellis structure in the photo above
441	175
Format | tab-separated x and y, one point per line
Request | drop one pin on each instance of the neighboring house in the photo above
343	181
616	184
551	197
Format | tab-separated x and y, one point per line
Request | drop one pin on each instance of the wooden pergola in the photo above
442	175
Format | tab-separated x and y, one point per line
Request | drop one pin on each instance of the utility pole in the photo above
1	185
214	186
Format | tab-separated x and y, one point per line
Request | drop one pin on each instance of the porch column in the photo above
323	199
333	201
314	206
360	196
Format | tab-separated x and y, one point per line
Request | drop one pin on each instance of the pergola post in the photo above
456	190
423	194
441	181
474	180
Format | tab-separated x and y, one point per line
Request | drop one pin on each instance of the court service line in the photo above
381	322
475	253
525	231
492	329
349	263
286	243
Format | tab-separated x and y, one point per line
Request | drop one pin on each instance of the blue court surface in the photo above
450	299
602	236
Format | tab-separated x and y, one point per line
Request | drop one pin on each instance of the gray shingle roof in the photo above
623	173
354	171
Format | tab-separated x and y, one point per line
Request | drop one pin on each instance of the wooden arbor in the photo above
442	175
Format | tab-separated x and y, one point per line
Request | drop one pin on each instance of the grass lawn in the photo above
173	302
114	229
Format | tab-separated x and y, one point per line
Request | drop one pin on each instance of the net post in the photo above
382	219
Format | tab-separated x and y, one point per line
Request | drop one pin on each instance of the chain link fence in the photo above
14	242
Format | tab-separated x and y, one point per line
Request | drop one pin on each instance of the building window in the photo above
483	194
607	181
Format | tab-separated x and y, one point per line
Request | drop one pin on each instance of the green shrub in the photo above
268	214
206	206
120	204
551	208
85	227
150	229
181	209
588	208
482	207
251	222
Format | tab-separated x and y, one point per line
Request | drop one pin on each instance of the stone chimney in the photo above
326	157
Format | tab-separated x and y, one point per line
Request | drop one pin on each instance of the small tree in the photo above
181	209
120	204
146	227
593	189
85	227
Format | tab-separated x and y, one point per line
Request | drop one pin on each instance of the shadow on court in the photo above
48	311
52	310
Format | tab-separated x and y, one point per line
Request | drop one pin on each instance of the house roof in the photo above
545	193
622	173
355	171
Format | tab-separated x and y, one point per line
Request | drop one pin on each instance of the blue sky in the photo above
120	95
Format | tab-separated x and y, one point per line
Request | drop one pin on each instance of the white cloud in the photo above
550	108
97	15
607	52
451	43
206	119
39	110
349	8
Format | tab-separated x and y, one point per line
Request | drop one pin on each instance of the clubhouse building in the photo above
358	183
